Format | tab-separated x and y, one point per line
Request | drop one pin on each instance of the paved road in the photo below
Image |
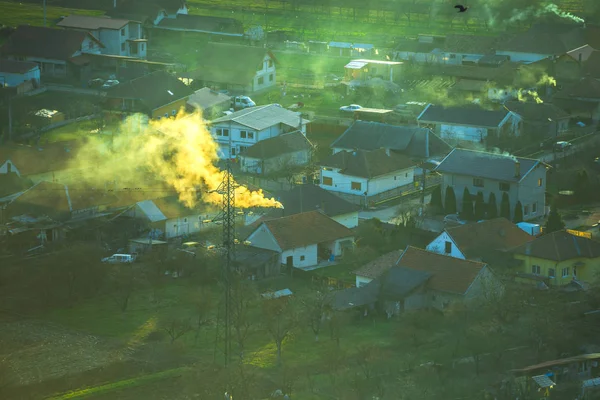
389	214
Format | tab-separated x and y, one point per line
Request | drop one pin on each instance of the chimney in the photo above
517	169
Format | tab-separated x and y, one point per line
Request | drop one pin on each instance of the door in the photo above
289	262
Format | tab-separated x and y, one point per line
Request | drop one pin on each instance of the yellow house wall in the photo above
169	108
586	272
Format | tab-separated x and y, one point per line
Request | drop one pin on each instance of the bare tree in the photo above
280	318
337	322
315	307
122	283
243	298
202	302
366	358
176	328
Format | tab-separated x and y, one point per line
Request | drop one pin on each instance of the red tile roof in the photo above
474	240
16	67
32	160
560	246
304	229
377	267
450	274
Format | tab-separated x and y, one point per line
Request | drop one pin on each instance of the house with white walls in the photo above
365	177
15	73
522	180
479	241
239	130
303	240
121	37
148	12
469	123
363	70
309	197
280	155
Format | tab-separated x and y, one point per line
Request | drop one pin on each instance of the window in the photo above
166	115
260	67
232	151
452	55
271	78
243	134
185	220
504	186
261	80
222	132
123	32
551	273
242	149
122	46
355	185
142	47
173	112
327	181
158	118
534	208
448	247
565	272
477	182
536	269
250	135
526	209
302	258
540	182
90	45
270	63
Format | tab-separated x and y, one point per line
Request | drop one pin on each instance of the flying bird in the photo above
461	8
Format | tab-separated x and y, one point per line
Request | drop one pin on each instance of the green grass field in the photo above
14	13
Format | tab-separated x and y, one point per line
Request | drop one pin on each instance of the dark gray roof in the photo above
203	23
485	165
367	164
465	115
536	112
553	39
278	145
312	197
253	256
399	282
355	297
410	140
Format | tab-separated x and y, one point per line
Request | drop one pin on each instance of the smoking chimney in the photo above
517	169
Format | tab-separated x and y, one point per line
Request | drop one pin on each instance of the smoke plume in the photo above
179	153
546	9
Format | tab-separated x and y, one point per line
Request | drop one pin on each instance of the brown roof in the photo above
503	74
450	274
277	146
377	267
560	246
591	67
584	52
31	160
43	199
474	240
37	41
563	361
471	44
300	230
171	207
536	112
91	23
586	88
368	164
16	67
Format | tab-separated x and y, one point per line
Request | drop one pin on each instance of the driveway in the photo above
389	214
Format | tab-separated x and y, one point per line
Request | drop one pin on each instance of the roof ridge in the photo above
444	255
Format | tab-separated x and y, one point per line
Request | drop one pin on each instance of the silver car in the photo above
454	219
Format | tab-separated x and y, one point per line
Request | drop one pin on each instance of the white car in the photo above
120	258
454	219
350	108
110	83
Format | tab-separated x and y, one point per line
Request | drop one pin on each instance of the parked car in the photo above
120	259
110	83
562	146
454	219
96	82
350	108
597	161
241	102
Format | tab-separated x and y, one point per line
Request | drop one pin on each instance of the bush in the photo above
479	207
450	201
467	206
436	200
518	213
492	207
505	206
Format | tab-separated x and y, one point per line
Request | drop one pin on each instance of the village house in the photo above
309	197
279	155
350	49
580	99
558	258
522	179
120	37
467	49
547	40
364	70
58	52
210	102
215	69
303	240
241	129
158	95
469	123
423	279
567	67
168	218
366	177
591	66
423	49
540	120
148	12
487	241
213	26
19	73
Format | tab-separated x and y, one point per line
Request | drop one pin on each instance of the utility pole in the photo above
5	91
44	12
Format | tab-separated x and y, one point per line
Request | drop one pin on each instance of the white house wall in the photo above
343	183
310	254
268	75
523	57
464	133
438	245
263	239
7	167
349	220
362	280
185	226
13	80
390	181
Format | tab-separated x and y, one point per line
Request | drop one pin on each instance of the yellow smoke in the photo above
178	153
526	95
546	80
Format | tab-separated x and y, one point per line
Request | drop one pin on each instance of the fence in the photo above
320	281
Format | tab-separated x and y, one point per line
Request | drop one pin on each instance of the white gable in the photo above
438	245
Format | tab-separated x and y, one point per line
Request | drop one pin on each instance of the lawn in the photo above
15	13
73	131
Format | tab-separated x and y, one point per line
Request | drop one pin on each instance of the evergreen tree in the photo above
450	201
518	213
479	207
583	189
492	207
505	206
554	222
436	200
467	206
